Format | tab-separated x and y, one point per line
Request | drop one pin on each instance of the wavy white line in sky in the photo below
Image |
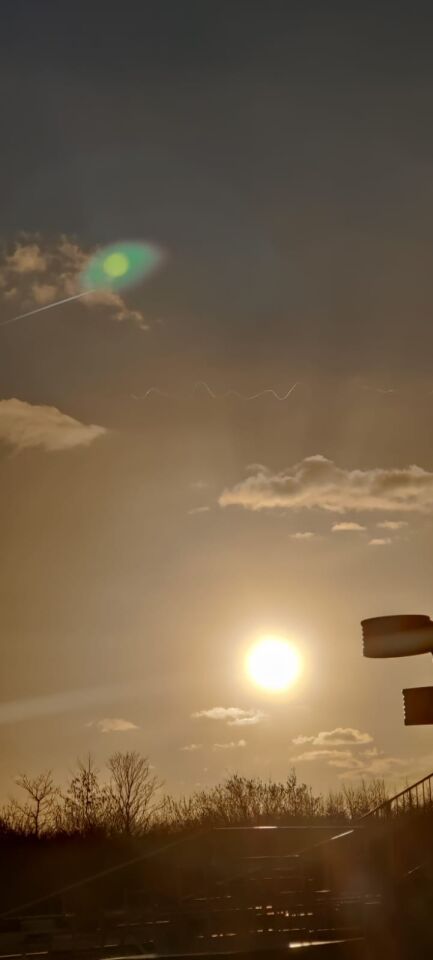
153	391
202	385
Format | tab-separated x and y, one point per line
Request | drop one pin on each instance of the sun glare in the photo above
273	664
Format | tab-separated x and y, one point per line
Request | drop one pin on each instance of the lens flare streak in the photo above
47	306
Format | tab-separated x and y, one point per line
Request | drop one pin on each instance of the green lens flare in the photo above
120	265
116	265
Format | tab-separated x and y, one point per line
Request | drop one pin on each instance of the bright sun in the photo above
273	664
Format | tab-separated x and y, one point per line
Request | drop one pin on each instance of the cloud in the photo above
114	725
43	293
307	535
336	737
379	541
347	763
363	763
233	716
61	263
196	510
250	721
317	482
25	425
353	766
232	745
333	757
70	254
347	527
27	258
107	298
381	766
393	524
191	747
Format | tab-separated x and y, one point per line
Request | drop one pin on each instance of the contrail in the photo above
48	306
202	385
66	701
242	396
379	389
206	387
152	391
273	393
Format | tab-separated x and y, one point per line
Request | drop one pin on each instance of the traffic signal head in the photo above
399	636
418	705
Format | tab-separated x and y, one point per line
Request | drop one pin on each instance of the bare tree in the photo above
335	806
35	814
364	796
243	800
13	820
133	788
86	802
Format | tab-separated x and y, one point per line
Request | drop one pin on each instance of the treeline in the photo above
128	800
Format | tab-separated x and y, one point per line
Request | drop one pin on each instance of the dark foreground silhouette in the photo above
111	867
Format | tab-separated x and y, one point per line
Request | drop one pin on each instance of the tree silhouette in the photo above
128	803
36	813
86	802
132	791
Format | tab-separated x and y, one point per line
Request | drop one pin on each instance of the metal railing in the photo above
418	795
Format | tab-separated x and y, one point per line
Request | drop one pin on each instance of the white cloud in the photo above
43	293
61	263
336	737
27	258
393	524
333	757
381	766
233	716
363	763
317	482
70	254
347	763
347	527
196	510
232	745
250	721
191	747
25	425
379	541
114	725
307	535
107	298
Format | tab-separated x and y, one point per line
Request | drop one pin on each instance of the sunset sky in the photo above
280	155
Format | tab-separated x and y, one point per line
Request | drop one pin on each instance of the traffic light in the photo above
418	705
403	636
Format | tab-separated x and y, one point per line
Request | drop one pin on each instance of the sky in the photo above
158	517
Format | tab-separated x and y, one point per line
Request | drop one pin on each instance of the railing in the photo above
417	796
